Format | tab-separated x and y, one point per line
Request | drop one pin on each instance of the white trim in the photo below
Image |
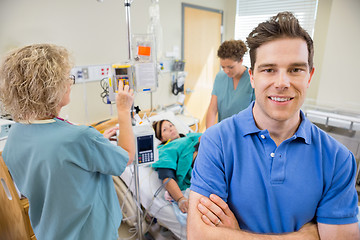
38	121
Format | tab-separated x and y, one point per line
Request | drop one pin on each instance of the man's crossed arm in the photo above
212	219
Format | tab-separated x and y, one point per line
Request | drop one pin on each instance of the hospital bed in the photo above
151	189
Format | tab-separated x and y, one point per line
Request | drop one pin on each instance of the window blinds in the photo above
250	13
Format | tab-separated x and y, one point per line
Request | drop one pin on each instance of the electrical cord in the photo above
123	204
176	89
156	194
146	213
105	93
168	204
152	218
138	205
131	230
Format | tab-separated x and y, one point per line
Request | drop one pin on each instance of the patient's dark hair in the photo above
157	128
283	25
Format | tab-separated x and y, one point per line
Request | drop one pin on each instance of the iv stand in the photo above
127	4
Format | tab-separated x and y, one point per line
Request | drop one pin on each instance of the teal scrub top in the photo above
178	155
231	101
65	172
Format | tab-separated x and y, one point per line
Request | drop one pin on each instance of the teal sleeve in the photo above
103	156
216	86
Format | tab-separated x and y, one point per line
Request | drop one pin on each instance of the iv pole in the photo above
127	4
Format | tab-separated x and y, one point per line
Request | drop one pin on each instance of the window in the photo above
250	13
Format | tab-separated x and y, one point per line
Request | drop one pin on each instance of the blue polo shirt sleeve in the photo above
339	202
208	175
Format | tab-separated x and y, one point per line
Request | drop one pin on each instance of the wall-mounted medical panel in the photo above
91	73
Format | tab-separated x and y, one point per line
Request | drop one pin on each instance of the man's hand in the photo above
216	212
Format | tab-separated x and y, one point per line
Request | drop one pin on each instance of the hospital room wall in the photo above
336	83
96	34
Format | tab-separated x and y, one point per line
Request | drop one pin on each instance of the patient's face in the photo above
168	131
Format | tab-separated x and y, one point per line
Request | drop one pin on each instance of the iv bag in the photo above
155	28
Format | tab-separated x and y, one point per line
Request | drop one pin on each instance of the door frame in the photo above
183	6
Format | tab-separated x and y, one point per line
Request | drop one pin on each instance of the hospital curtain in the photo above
250	13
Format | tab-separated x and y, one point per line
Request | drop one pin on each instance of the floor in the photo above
156	232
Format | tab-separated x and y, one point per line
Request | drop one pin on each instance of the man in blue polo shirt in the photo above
267	172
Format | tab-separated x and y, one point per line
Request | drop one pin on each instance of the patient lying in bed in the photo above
177	153
151	189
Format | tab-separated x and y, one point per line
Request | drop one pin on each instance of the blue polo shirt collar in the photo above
304	130
247	119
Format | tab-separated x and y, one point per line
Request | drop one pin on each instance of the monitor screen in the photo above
121	71
145	143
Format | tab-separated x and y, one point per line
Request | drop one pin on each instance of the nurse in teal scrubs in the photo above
232	91
64	170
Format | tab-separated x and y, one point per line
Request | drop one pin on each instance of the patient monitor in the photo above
146	150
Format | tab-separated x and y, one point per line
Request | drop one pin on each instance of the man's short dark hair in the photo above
283	25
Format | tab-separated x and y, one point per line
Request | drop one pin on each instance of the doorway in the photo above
202	35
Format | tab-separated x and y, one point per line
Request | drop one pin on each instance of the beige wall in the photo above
320	37
229	20
95	33
339	82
